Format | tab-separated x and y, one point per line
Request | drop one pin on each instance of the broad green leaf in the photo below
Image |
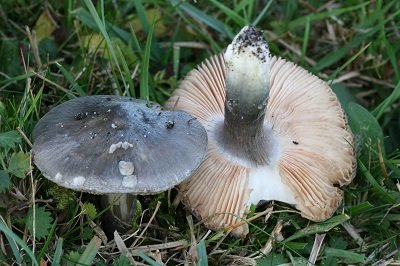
344	95
338	242
89	209
44	26
322	227
87	233
364	126
4	181
19	164
43	222
9	51
72	258
9	139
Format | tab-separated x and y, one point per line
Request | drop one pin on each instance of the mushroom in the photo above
117	146
275	132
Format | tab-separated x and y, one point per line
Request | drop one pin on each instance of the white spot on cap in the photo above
78	181
126	168
113	125
58	177
129	181
124	145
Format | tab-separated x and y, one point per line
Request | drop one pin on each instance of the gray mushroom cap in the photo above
112	144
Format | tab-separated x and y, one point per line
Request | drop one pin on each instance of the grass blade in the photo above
375	185
360	208
322	227
103	31
261	14
74	85
136	44
33	105
144	74
203	17
9	81
90	252
345	254
230	13
393	97
340	53
86	18
175	57
348	62
323	15
14	247
48	240
141	12
13	238
131	90
58	252
202	253
305	41
148	259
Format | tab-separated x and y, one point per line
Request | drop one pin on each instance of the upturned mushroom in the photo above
117	146
275	132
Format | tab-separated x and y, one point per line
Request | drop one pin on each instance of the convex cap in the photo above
112	144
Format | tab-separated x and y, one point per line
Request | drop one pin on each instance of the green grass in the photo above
127	48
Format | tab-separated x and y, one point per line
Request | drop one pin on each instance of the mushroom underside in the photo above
314	149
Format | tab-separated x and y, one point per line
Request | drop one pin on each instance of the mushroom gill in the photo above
310	156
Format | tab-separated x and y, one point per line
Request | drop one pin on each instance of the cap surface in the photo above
313	155
112	144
